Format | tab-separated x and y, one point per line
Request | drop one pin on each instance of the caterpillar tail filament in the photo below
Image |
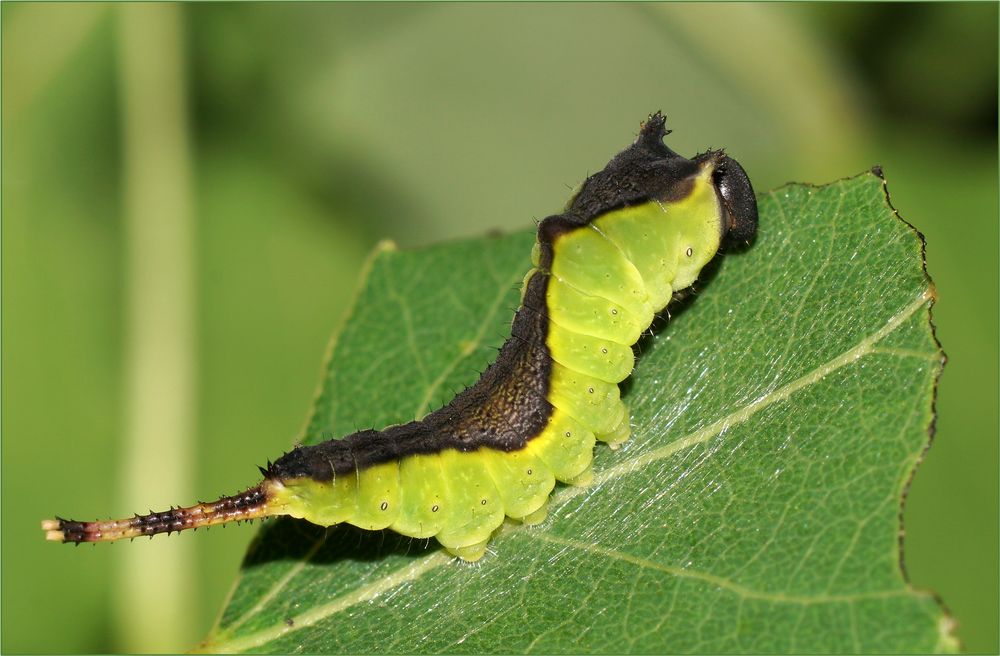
250	504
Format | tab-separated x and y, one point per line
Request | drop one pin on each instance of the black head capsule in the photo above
739	205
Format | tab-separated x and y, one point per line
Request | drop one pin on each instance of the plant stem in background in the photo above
155	581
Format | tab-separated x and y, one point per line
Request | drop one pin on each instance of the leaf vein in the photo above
477	340
722	582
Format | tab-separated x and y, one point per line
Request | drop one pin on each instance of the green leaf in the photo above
777	419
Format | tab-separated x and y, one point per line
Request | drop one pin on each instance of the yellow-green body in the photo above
608	279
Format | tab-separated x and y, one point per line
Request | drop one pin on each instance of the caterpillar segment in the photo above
632	235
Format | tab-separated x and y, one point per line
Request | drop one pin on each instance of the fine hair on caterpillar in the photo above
632	237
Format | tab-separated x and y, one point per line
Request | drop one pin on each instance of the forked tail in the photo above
250	504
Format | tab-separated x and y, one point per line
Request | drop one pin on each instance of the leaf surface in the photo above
777	416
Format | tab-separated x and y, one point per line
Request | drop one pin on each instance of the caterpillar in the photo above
631	236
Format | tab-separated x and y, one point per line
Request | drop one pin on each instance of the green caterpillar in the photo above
634	234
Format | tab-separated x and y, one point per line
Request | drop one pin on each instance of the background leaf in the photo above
777	420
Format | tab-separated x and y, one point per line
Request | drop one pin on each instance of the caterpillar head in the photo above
648	169
739	205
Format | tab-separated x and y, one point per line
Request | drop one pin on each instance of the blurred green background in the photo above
189	193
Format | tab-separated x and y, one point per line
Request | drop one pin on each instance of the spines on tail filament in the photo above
250	504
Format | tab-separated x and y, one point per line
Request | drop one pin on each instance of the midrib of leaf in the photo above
366	592
722	582
563	495
278	586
